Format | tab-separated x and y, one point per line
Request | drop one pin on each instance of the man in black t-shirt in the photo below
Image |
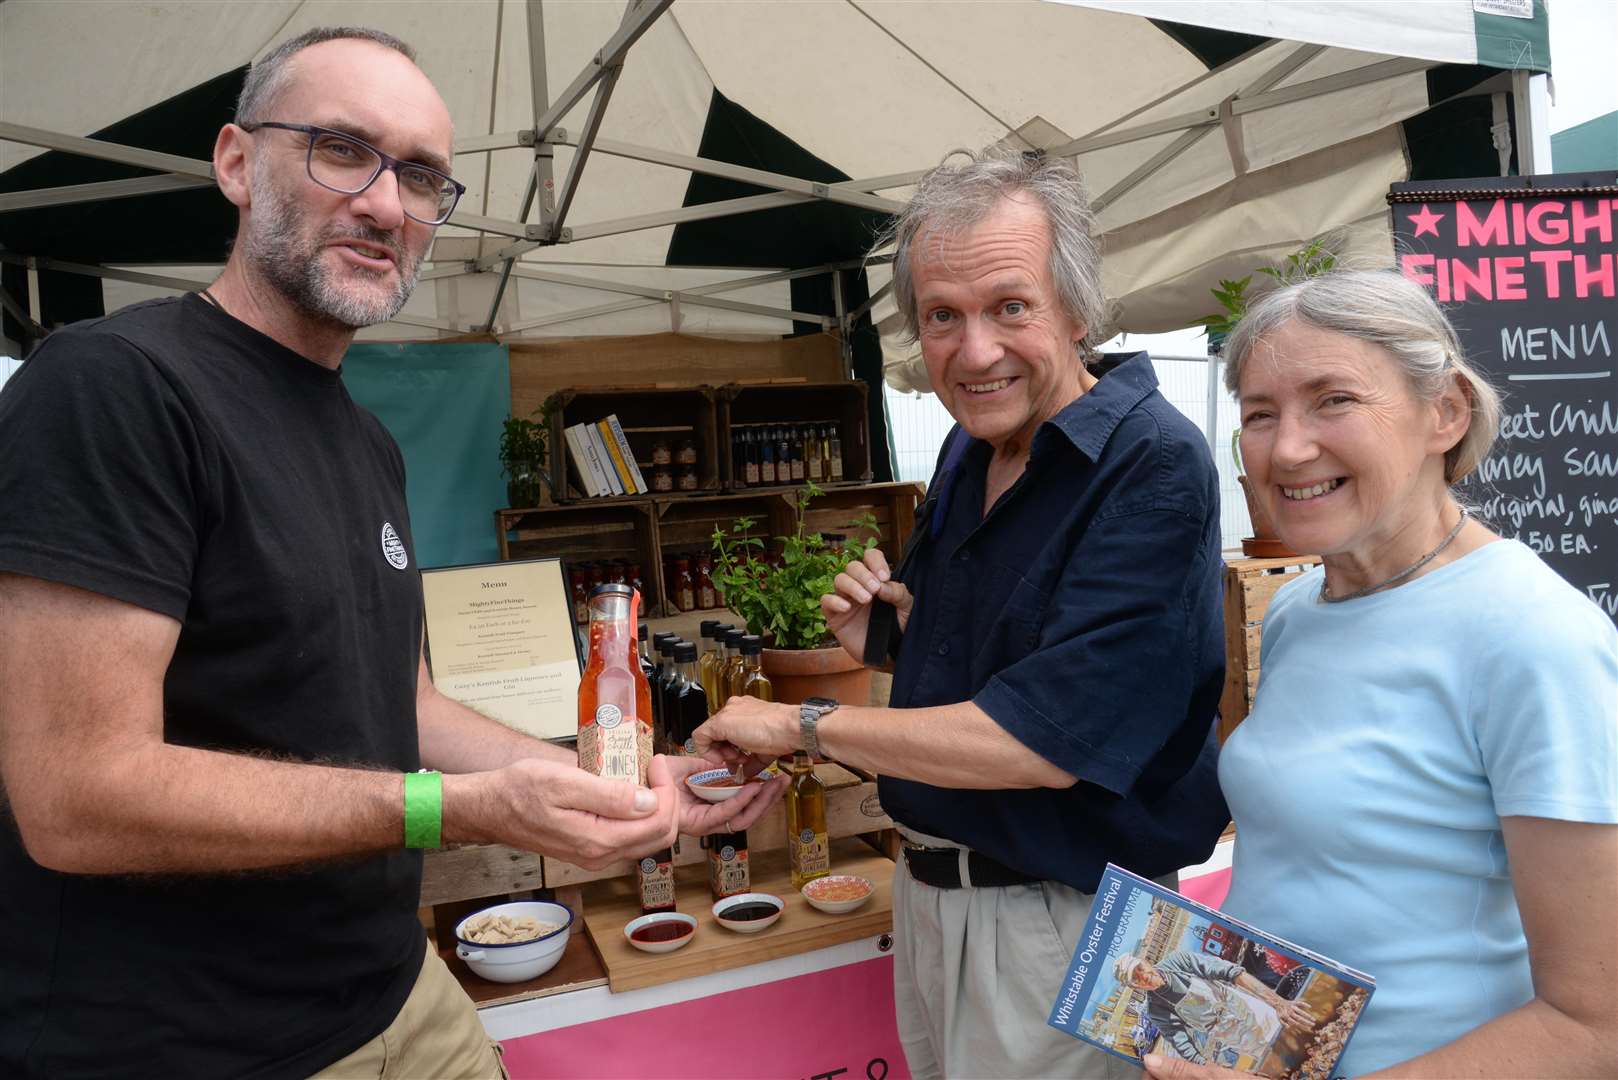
211	648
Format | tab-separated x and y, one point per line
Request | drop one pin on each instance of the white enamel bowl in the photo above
816	892
697	783
661	917
747	926
522	960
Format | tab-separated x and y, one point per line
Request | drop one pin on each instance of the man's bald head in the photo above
269	76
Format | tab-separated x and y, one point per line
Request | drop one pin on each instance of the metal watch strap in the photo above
809	714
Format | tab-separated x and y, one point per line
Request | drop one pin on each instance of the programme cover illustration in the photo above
1155	972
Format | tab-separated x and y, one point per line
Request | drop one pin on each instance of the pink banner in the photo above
1209	889
835	1024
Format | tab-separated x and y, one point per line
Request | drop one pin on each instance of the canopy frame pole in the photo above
45	262
99	191
1530	94
873	301
107	151
540	182
838	305
1225	118
846	192
638	18
31	329
652	292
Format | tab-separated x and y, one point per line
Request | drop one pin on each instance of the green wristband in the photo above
423	809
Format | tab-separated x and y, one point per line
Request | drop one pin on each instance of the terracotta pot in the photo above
796	674
1265	542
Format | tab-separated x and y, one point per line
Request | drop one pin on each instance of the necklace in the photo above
1325	590
208	296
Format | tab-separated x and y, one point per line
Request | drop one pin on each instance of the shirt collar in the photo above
1090	421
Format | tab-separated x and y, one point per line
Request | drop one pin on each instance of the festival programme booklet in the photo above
1155	972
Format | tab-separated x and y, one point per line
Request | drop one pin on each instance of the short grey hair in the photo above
268	77
1388	310
957	195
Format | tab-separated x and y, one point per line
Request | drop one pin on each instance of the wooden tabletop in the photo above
611	904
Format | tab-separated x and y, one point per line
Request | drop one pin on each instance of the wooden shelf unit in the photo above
1249	586
647	415
647	528
842	404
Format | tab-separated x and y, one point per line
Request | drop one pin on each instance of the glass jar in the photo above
688	478
579	586
662	478
685	589
633	579
660	454
706	596
686	454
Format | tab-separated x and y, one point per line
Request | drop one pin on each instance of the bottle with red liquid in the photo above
615	700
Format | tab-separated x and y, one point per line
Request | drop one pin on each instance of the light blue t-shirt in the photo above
1389	736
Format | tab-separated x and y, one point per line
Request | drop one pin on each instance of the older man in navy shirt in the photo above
1055	628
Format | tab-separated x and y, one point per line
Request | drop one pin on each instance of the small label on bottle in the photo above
768	471
797	468
810	854
728	872
837	466
690	747
656	884
752	472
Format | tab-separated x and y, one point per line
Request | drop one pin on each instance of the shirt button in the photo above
965	556
943	650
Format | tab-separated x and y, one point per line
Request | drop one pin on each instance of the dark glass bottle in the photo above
727	864
690	703
655	879
783	454
750	447
738	458
766	456
646	665
798	472
664	694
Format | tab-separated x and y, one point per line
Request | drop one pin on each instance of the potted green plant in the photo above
524	450
779	599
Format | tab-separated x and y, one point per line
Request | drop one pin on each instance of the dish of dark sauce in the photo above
662	931
753	909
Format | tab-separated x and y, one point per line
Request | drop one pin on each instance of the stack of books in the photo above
601	461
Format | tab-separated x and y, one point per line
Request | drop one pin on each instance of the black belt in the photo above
941	868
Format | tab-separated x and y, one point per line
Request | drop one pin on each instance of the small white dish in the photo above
837	893
747	926
517	961
699	783
661	918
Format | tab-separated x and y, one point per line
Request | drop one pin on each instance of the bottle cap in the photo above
752	645
708	627
684	651
640	632
611	588
733	637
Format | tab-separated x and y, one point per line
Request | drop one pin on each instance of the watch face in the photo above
822	703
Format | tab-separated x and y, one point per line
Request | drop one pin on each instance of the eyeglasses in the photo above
347	165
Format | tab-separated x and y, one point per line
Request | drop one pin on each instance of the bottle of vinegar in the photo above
808	846
689	703
615	701
754	683
730	679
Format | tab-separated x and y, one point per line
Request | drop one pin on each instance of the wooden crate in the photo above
685	527
852	809
587	532
1249	586
840	403
647	416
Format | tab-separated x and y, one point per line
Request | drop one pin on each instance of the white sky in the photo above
1584	41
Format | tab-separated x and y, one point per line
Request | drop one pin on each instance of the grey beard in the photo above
295	268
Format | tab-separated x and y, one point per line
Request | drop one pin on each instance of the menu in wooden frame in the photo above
500	640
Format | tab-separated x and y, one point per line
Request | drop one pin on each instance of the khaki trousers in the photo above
975	973
436	1036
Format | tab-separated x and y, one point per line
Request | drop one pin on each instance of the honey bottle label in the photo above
610	747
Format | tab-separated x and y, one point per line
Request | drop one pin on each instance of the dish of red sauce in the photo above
662	931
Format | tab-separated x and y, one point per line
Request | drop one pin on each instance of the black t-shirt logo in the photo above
393	548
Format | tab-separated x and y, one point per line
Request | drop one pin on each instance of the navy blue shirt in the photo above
1083	615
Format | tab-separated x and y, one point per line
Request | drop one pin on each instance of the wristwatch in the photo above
809	714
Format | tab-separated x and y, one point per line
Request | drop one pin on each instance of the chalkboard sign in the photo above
1525	268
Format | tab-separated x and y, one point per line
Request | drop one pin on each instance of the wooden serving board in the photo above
611	904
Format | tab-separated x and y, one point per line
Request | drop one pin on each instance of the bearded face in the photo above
297	255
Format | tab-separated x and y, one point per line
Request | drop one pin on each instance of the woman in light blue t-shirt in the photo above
1427	786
